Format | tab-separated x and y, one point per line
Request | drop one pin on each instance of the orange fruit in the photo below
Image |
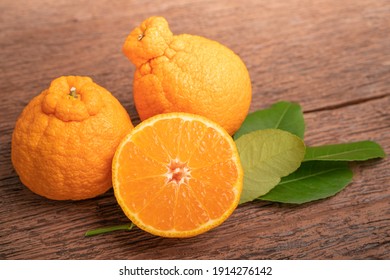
177	175
187	73
65	138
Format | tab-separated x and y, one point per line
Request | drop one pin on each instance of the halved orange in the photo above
177	175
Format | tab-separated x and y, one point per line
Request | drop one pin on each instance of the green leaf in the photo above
283	115
98	231
363	150
313	180
266	156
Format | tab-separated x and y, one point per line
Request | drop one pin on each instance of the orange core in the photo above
178	172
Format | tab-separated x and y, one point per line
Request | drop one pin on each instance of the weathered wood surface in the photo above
333	57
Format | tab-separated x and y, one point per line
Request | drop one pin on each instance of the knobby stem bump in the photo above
98	231
73	93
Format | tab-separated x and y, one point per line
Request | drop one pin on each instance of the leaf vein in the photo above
309	176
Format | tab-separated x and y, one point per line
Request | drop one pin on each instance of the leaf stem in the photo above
98	231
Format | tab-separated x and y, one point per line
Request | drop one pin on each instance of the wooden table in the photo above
331	56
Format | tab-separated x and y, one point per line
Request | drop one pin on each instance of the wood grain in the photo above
333	57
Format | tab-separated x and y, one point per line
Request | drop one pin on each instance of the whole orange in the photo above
64	140
187	73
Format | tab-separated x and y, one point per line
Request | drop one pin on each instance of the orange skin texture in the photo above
187	73
62	146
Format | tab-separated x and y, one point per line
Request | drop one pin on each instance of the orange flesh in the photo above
177	176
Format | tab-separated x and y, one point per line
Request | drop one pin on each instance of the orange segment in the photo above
151	147
191	135
137	193
138	165
157	213
169	135
222	174
189	212
215	181
203	191
177	175
212	148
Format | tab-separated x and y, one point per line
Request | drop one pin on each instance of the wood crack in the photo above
346	104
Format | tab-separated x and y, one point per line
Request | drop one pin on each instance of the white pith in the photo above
178	172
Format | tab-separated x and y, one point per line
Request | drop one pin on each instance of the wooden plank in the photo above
337	58
332	57
353	224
